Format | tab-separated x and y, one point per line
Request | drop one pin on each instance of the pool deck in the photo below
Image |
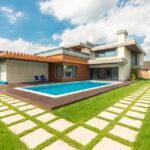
50	103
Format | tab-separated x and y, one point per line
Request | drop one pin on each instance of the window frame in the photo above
104	53
134	58
63	75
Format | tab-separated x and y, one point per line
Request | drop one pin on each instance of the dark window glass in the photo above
134	59
107	53
108	72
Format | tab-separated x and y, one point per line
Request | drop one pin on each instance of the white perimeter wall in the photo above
3	74
24	71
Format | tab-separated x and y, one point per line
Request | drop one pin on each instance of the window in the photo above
134	58
66	71
107	53
59	71
70	71
108	72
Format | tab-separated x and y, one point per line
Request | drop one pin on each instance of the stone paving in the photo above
107	115
120	121
36	137
59	145
109	144
97	123
82	135
13	118
60	124
23	126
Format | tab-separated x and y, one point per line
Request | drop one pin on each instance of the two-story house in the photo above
115	61
77	61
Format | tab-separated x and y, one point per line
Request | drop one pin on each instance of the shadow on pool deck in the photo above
50	103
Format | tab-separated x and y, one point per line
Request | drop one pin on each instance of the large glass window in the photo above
108	53
70	71
66	71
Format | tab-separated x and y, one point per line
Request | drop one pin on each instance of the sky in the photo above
30	26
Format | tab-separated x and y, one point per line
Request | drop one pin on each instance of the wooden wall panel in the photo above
68	58
82	73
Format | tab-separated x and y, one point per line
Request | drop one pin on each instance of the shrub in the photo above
134	74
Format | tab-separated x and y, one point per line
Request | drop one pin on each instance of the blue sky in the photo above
34	25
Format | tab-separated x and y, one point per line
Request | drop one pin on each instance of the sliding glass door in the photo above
104	73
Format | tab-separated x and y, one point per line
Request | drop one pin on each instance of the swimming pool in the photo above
62	89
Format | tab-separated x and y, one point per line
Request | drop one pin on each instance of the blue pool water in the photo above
61	89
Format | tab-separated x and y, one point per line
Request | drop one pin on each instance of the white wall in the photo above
121	51
3	74
141	59
86	50
24	71
124	70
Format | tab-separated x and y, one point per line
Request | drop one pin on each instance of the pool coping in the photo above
51	103
70	93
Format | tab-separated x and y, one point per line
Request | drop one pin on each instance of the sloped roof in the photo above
22	56
146	65
29	57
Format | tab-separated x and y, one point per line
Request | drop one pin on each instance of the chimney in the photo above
122	35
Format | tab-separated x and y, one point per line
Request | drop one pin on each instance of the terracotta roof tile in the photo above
146	65
22	56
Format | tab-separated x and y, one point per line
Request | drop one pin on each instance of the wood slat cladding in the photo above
82	72
52	72
69	59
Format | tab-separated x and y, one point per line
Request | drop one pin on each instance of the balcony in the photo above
113	60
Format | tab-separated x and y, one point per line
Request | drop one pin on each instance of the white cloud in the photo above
21	45
55	37
146	45
77	11
11	14
133	16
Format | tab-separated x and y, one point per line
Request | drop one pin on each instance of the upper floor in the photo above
124	51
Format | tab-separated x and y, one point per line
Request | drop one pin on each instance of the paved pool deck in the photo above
49	102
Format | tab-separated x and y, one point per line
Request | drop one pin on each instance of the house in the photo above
145	71
77	61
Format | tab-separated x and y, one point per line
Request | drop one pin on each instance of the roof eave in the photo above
115	45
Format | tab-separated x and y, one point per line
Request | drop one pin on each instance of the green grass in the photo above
90	107
2	87
78	113
8	141
143	140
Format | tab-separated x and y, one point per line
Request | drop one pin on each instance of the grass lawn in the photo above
80	112
90	107
143	140
2	87
8	141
